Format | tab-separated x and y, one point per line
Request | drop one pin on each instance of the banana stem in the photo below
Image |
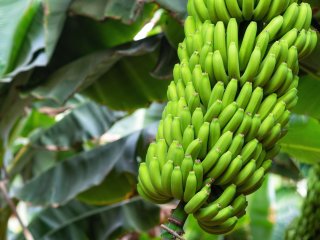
174	228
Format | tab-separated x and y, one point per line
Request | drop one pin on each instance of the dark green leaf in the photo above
99	223
302	141
65	180
79	74
88	121
309	97
124	10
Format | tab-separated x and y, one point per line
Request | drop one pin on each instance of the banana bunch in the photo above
307	225
257	10
228	106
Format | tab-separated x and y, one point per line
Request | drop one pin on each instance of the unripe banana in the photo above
226	196
215	133
227	114
266	71
211	159
154	168
232	34
233	61
277	79
208	67
235	121
198	170
197	201
220	43
245	125
274	27
247	9
166	174
220	166
267	105
221	10
302	16
239	204
263	42
234	9
177	183
248	150
255	100
289	18
247	45
245	173
231	172
205	89
261	9
223	228
212	11
204	136
224	141
290	37
189	26
194	148
274	10
236	145
197	120
176	130
230	93
213	111
188	136
186	167
253	66
194	60
266	126
218	68
201	9
191	186
255	125
244	95
217	93
161	151
221	217
253	182
175	153
208	212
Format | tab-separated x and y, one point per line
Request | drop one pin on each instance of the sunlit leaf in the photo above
302	141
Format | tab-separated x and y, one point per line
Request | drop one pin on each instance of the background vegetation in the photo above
82	88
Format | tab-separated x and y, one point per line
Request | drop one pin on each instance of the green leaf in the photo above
29	39
178	7
86	122
108	192
68	178
99	223
124	10
134	89
173	30
81	73
309	98
259	212
302	141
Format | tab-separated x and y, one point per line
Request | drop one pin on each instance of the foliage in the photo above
80	102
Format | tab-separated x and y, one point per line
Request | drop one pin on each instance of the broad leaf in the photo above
81	73
124	10
302	141
309	97
68	178
86	122
88	222
259	212
30	34
108	192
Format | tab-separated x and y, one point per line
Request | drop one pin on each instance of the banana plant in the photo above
83	86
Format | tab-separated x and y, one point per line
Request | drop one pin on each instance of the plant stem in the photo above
27	234
174	228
